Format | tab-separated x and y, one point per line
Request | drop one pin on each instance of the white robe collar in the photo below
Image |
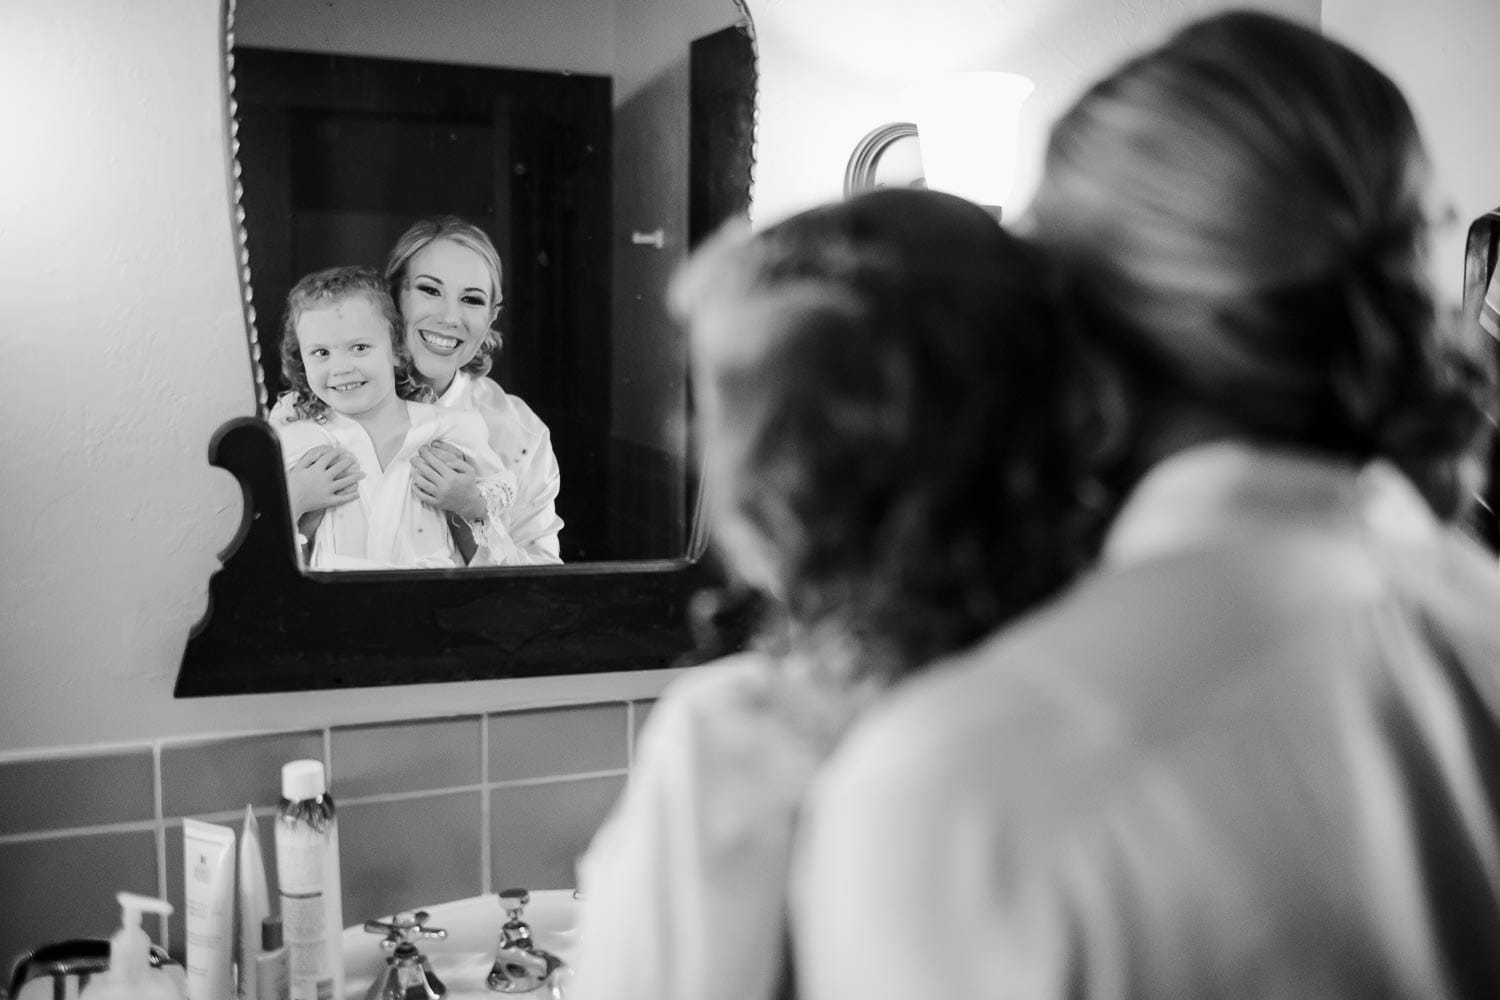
1214	492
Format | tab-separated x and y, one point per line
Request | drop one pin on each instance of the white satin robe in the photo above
387	526
1255	755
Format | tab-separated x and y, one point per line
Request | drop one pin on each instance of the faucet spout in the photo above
407	976
520	966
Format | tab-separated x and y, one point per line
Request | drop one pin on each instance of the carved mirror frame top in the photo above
271	626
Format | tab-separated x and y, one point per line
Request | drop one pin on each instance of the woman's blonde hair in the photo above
469	236
1244	206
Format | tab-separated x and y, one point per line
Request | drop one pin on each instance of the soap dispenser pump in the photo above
130	975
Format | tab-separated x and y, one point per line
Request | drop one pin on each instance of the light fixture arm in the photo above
859	173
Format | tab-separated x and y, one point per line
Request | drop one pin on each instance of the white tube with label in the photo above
208	886
307	873
254	899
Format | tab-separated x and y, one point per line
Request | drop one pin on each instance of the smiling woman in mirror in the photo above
444	276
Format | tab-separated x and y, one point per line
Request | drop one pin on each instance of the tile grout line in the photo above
486	845
66	832
163	823
630	736
159	836
81	751
557	779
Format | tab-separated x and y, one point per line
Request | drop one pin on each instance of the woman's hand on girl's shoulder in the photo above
444	477
322	477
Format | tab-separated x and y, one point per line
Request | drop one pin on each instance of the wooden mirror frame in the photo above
271	626
1481	257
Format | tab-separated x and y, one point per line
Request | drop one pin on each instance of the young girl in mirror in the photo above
353	391
889	458
1256	752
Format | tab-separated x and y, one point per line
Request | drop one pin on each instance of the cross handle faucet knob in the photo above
404	928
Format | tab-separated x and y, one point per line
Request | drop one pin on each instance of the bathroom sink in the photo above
462	958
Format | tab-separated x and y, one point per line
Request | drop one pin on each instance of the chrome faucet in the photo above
407	974
520	966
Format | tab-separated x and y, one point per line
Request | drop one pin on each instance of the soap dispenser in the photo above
130	975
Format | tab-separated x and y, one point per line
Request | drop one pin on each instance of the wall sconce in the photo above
967	124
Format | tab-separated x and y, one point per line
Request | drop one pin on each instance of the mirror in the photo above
594	141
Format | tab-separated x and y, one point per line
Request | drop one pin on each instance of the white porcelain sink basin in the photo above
463	958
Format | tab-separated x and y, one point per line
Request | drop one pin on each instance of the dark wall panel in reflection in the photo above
340	154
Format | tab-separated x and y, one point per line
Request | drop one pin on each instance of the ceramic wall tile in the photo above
405	757
555	741
224	775
90	790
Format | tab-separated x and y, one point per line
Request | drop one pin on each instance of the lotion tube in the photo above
208	878
254	901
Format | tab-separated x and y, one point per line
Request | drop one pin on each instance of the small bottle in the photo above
307	870
272	972
130	975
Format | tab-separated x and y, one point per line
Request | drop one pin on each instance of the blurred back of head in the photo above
882	393
1246	207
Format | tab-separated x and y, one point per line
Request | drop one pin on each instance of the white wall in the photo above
828	78
1446	55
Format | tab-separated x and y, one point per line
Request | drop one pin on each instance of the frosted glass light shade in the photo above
968	125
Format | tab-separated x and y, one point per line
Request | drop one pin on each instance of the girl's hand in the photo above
323	477
443	477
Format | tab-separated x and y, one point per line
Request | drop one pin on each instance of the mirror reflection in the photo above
389	428
465	355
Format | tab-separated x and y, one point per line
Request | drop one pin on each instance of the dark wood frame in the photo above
1481	256
271	626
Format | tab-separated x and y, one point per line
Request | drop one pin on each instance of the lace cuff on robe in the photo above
499	492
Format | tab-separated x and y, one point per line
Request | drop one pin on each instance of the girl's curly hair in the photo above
329	287
889	416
